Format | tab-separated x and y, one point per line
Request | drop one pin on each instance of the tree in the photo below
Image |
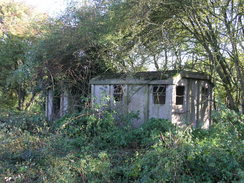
69	52
206	33
17	34
217	27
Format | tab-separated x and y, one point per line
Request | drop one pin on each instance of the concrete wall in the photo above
64	102
180	112
56	110
138	102
101	94
205	103
49	105
138	98
121	107
163	111
194	110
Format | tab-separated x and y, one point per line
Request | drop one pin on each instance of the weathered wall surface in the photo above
163	111
138	98
64	102
179	112
49	105
101	94
138	102
205	103
196	108
121	107
56	106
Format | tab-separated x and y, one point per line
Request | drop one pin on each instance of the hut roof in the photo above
147	76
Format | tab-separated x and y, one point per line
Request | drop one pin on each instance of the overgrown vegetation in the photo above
91	147
38	53
119	36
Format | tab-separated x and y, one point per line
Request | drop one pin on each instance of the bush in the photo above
92	147
198	155
150	132
23	121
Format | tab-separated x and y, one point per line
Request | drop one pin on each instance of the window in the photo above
180	90
56	104
118	93
205	93
159	94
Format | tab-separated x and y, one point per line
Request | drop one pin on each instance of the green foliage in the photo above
23	121
91	147
119	35
20	27
96	146
104	131
214	155
151	131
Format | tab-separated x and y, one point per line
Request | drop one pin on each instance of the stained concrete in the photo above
138	96
54	109
64	102
49	105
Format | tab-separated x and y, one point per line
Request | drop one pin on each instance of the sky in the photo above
51	7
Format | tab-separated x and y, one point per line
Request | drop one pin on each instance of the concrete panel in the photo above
180	112
193	94
64	102
138	98
161	110
137	102
49	105
194	111
204	104
101	94
119	106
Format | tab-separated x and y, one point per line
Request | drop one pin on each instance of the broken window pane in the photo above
159	94
180	91
118	93
179	100
205	93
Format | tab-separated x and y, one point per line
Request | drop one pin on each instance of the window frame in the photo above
159	97
118	92
179	98
204	93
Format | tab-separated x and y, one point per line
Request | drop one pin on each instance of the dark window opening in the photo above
159	94
56	105
180	91
118	93
205	93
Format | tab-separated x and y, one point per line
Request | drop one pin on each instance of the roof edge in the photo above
147	77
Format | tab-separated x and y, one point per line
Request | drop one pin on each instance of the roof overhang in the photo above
142	78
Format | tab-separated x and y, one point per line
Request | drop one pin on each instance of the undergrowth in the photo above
93	146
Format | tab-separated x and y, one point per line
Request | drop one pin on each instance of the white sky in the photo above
51	7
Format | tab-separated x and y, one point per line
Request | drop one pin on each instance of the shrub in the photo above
150	132
93	147
23	121
198	155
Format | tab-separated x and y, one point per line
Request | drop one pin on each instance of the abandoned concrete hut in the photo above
60	101
56	104
177	96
